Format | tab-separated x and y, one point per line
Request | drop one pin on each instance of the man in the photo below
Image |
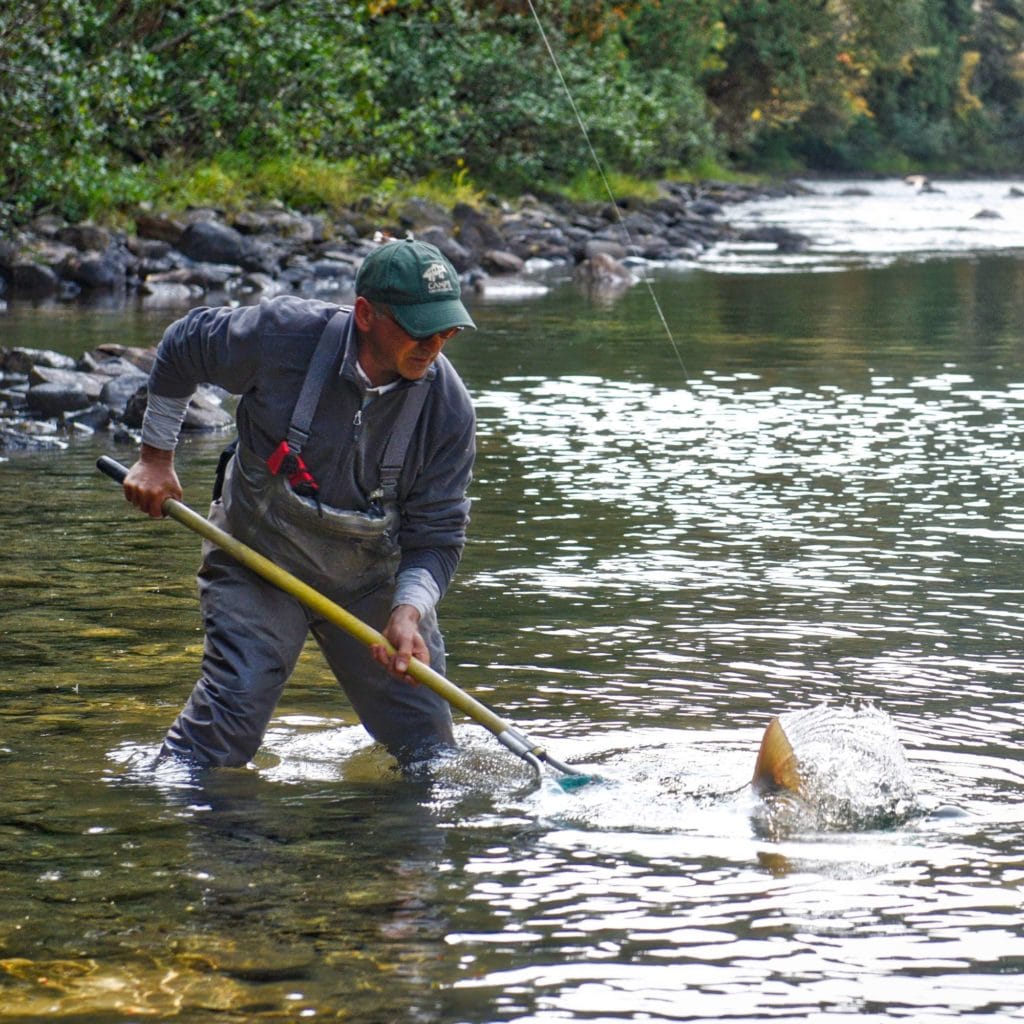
355	449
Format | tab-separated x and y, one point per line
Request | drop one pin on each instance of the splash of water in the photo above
854	774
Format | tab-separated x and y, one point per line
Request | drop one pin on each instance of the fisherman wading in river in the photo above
355	449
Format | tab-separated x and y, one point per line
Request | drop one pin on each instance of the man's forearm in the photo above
162	422
417	587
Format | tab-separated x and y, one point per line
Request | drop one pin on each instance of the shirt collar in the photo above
368	386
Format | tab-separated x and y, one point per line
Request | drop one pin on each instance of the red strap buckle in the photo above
283	460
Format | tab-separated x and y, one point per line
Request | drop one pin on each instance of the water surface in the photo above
821	500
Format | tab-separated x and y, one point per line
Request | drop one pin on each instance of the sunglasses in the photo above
444	335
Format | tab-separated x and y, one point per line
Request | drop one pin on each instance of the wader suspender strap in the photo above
338	328
398	443
288	455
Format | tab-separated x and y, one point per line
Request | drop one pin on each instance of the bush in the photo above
103	102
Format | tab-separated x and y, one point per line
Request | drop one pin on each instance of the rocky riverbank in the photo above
272	249
205	257
48	398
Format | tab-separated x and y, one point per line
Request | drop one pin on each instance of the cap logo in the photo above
437	279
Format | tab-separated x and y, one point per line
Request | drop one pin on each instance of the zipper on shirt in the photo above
357	420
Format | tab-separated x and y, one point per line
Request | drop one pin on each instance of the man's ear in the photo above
363	312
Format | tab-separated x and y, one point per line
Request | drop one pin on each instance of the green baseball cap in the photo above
417	283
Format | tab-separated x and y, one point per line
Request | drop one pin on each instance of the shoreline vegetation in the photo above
109	106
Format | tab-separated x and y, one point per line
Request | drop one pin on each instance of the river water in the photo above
812	493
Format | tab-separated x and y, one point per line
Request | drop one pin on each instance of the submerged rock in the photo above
783	239
13	440
603	276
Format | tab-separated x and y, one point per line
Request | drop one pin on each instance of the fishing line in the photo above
604	180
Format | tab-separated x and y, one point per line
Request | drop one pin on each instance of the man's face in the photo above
387	352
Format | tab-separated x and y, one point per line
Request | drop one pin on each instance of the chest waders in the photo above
255	632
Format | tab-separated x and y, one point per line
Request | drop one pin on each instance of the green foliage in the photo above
593	187
915	101
775	61
233	181
996	126
104	103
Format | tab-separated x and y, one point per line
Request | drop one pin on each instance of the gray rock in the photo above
21	360
68	290
95	270
475	231
707	208
251	222
587	223
12	393
49	251
86	237
652	247
639	224
136	409
347	231
90	383
203	275
108	366
616	250
206	413
174	261
295	228
264	257
118	391
458	255
281	222
57	399
33	280
783	239
148	268
502	262
48	225
209	241
18	441
95	417
338	255
259	284
419	213
149	248
334	270
156	294
684	236
159	227
577	235
141	358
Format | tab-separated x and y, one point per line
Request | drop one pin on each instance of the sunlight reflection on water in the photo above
814	516
829	509
873	223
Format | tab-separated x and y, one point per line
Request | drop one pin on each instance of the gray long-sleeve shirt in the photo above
262	353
